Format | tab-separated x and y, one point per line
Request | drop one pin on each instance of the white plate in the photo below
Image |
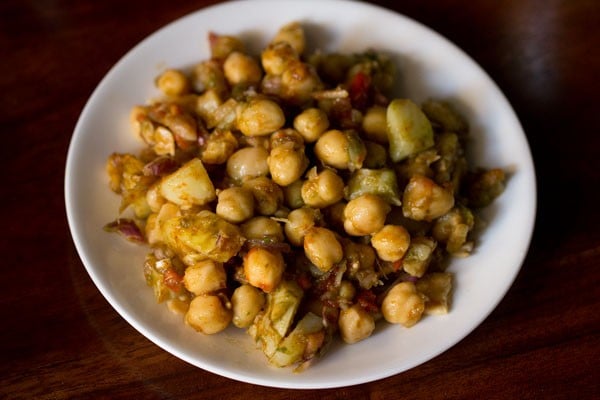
429	66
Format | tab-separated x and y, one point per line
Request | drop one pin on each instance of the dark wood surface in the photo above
59	338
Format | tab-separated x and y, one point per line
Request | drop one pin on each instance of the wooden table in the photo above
61	339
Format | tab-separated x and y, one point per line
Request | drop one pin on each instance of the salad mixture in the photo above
290	194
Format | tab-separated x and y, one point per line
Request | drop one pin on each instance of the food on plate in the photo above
291	195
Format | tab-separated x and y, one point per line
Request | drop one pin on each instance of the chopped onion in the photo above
160	166
127	228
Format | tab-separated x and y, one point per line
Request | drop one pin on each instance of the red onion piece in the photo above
127	228
160	166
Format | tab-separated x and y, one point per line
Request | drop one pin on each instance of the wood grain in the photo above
60	339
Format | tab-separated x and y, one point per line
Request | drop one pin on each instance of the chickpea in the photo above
277	56
350	155
256	141
219	146
374	124
268	196
241	68
286	164
207	314
360	261
347	290
323	189
298	223
293	194
235	204
293	34
260	117
359	255
223	45
334	215
332	149
322	248
261	227
248	162
365	215
247	301
403	304
424	199
376	155
208	76
173	82
205	277
391	242
263	268
298	82
289	138
355	324
311	123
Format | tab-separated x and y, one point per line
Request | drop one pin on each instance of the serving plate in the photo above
428	66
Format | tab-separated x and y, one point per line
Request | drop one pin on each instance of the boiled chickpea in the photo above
355	324
235	204
403	304
207	314
359	255
205	277
248	162
298	223
262	227
332	149
260	117
173	82
374	124
219	146
376	155
298	82
391	242
323	189
247	301
277	56
292	33
365	215
293	194
311	123
263	268
287	137
322	248
286	164
423	199
241	68
347	290
223	45
334	215
268	196
208	77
